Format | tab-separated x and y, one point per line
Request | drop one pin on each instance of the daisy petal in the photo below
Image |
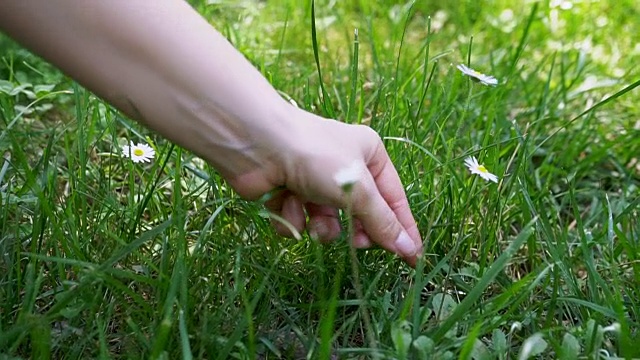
478	76
478	169
138	152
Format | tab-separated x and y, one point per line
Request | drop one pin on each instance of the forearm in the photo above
162	64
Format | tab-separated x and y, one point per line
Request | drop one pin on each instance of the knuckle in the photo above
369	133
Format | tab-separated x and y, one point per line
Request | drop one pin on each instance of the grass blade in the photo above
465	305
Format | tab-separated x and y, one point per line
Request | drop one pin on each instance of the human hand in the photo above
305	163
201	103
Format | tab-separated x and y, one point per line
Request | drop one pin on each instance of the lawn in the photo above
101	257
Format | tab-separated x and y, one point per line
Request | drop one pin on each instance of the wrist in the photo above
260	164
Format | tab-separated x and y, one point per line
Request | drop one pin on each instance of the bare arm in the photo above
161	64
164	65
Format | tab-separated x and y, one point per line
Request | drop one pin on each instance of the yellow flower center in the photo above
482	169
138	152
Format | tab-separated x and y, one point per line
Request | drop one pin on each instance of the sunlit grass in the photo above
103	257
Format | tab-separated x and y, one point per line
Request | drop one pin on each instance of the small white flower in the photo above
138	153
516	326
615	327
475	168
348	176
477	76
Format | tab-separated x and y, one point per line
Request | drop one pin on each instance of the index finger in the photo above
381	206
390	187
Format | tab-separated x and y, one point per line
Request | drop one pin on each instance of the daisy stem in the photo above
355	274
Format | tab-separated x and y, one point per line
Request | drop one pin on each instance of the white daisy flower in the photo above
348	176
475	168
476	76
139	152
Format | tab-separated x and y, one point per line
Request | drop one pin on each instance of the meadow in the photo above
101	257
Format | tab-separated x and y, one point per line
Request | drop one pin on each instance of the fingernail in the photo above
405	245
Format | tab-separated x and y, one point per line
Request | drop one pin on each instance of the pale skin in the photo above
162	64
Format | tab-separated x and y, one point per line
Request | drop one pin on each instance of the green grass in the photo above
102	258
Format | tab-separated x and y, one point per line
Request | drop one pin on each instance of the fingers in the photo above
380	222
390	187
289	219
381	216
293	212
324	223
360	238
380	203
